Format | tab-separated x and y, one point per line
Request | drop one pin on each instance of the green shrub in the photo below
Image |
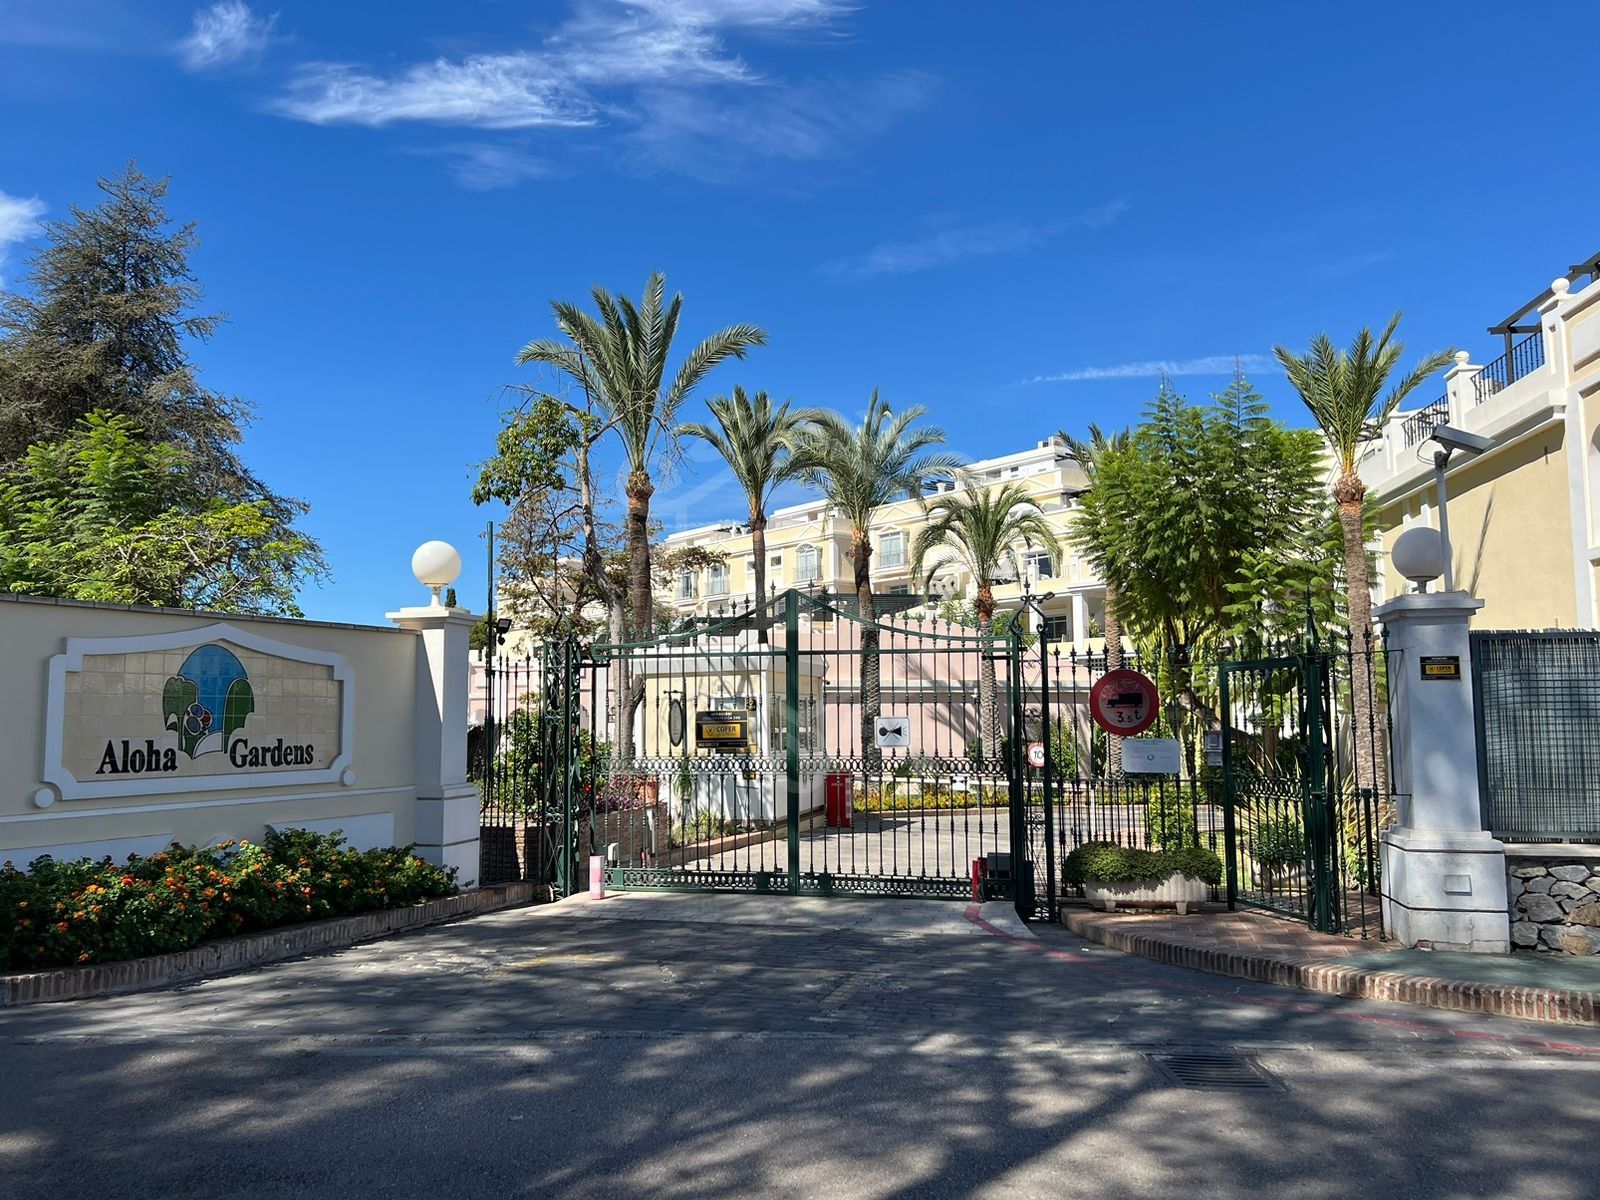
1103	862
89	911
1280	842
1169	817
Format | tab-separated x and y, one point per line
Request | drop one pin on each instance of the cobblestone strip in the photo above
1337	979
255	949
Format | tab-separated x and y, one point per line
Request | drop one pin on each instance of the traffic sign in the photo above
891	733
1123	702
1036	754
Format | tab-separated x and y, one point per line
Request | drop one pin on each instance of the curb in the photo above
1334	979
227	955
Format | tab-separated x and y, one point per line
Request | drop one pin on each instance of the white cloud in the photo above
228	32
658	70
19	221
483	167
945	243
1211	364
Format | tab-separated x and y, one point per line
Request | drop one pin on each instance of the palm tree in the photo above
757	441
1343	389
978	529
860	469
1089	455
620	359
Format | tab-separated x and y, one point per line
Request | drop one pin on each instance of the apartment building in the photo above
1525	515
807	545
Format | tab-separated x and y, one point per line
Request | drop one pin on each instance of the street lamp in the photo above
1451	440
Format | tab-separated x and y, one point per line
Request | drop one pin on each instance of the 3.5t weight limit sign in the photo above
1123	702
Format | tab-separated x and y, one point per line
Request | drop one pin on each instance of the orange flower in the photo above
127	879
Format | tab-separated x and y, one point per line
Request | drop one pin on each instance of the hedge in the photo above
1103	862
90	911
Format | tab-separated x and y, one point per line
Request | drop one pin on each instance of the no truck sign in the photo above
1123	702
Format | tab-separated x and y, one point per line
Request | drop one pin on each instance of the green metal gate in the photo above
1300	816
796	747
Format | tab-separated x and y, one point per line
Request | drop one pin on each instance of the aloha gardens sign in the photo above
201	709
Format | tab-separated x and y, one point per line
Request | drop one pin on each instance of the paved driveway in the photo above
670	1046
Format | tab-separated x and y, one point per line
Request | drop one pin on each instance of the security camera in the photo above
1452	439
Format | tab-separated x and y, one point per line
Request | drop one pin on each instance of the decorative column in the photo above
446	828
1444	878
1460	389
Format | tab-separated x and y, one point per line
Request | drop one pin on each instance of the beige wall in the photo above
375	807
1511	529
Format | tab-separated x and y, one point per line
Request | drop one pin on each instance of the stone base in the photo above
1446	889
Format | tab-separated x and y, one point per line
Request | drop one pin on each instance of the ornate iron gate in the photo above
795	747
1303	783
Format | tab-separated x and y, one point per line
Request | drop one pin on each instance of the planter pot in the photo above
1177	890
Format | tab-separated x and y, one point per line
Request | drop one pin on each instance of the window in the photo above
718	584
892	549
1057	629
900	589
688	585
775	561
808	564
1041	566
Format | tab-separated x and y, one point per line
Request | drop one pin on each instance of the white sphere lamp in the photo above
436	565
1418	554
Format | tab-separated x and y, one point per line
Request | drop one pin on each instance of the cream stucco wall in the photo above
376	807
1511	529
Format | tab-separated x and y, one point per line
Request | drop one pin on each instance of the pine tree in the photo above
104	323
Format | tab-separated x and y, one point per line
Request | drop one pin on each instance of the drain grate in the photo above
1215	1072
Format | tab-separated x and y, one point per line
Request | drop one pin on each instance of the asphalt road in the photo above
741	1046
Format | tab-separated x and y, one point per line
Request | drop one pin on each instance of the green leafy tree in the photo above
619	359
978	530
1182	513
859	469
757	441
104	323
1350	394
106	515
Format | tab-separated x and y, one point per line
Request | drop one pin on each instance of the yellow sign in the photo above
719	732
722	730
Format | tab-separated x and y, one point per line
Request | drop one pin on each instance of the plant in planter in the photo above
1111	874
1280	849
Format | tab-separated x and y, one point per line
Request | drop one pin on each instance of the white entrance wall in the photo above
359	728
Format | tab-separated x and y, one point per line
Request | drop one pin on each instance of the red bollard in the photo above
977	879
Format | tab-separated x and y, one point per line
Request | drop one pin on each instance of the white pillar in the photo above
1459	388
1444	878
1080	618
447	804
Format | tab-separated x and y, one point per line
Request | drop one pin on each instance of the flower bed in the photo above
93	911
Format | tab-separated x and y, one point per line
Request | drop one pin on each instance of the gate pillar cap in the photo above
1425	606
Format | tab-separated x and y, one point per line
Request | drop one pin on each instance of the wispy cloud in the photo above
1211	364
658	80
226	33
19	221
484	166
1338	268
566	81
946	243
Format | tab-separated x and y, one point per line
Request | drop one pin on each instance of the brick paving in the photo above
1280	950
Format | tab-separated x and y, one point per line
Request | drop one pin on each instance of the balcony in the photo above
1523	390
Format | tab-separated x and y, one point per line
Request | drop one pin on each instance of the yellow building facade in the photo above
807	547
1525	515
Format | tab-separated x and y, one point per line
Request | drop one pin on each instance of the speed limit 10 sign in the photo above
1123	702
1036	754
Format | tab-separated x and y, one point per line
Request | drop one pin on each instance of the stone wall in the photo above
1555	903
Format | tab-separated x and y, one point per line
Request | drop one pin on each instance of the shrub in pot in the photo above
1111	874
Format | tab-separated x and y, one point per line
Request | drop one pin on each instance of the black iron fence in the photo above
1537	698
1419	427
1522	359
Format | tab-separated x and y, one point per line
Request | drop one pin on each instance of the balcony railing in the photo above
1526	357
1419	426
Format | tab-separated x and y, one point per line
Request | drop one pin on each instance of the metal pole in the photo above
486	767
1440	459
791	732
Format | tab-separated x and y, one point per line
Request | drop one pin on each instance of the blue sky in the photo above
1008	212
